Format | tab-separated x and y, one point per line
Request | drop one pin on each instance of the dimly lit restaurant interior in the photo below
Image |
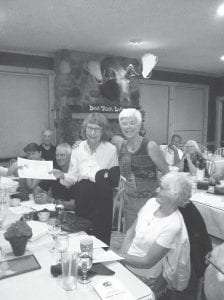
113	186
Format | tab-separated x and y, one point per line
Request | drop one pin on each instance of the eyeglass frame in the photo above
208	261
95	129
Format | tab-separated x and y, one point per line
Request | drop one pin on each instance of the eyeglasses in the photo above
95	129
208	261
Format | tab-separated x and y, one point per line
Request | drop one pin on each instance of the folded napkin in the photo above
202	185
38	228
98	268
219	190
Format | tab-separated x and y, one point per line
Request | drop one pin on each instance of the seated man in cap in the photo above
27	185
50	190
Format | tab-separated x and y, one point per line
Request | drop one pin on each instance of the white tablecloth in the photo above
40	284
211	208
219	165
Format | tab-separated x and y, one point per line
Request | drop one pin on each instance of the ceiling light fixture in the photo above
135	41
220	10
149	61
222	57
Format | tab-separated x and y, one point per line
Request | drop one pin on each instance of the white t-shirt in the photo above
169	154
86	164
150	229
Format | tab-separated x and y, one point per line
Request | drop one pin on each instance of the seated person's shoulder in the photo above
163	147
151	205
152	145
153	148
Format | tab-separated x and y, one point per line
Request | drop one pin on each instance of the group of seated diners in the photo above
166	240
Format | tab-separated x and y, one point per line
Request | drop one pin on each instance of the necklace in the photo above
133	145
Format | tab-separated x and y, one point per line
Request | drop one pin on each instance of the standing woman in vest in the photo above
139	161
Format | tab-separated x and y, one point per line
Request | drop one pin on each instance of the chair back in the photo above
210	167
119	205
203	149
220	152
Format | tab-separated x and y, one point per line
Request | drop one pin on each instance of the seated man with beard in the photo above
50	190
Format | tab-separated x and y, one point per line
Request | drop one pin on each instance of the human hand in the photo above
83	176
41	198
172	147
13	168
76	144
186	156
58	174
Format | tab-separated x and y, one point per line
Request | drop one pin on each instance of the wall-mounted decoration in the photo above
86	82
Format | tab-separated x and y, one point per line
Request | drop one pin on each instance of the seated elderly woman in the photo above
214	275
192	159
159	237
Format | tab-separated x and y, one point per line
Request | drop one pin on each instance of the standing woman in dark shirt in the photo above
192	158
139	160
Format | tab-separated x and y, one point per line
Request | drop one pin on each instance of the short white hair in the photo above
66	147
193	143
130	112
179	187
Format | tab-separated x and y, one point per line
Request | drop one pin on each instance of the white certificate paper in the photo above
36	169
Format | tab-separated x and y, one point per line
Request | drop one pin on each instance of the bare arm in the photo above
192	168
154	255
128	239
32	183
41	196
71	177
176	154
117	141
157	156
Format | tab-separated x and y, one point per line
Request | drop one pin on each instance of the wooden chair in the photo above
203	149
117	235
219	152
210	167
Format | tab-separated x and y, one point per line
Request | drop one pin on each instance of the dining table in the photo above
211	207
40	284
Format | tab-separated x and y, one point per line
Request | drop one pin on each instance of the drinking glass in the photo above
62	242
85	263
3	194
69	264
86	245
59	208
3	214
54	228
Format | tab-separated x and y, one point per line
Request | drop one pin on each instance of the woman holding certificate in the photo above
94	167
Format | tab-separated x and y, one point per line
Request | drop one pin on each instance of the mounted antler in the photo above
93	68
